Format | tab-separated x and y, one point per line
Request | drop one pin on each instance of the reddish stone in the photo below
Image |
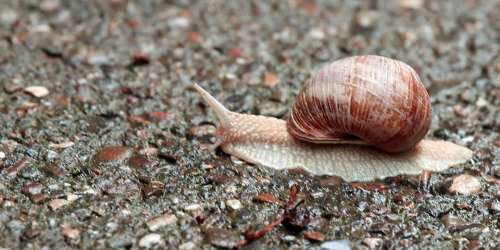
139	162
269	198
314	235
17	167
54	170
157	116
331	181
137	119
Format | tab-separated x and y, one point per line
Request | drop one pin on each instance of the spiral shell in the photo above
363	99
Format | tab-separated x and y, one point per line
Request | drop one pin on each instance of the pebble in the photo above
234	204
269	198
317	34
236	160
202	130
336	245
34	192
366	18
16	167
161	221
57	203
122	240
373	243
450	220
481	102
16	226
155	188
188	246
97	58
331	181
495	206
411	4
465	184
2	155
158	116
32	153
51	155
317	195
52	222
314	235
8	17
220	237
149	240
30	173
65	144
50	5
37	91
138	162
192	208
271	80
54	170
179	22
112	153
69	232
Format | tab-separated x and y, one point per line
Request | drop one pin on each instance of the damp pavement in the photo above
103	145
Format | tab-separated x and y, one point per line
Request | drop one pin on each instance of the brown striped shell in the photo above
363	100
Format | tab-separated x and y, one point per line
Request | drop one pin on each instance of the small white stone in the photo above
179	22
236	160
206	166
373	243
70	232
317	34
366	18
161	221
465	184
481	102
8	17
234	204
411	4
149	240
89	190
317	195
188	246
192	207
71	197
57	203
336	245
125	212
66	144
232	189
2	155
37	91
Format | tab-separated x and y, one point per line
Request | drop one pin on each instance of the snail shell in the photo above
380	101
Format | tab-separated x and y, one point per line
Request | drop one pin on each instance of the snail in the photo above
360	118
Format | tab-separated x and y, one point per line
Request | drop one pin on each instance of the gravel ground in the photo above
114	150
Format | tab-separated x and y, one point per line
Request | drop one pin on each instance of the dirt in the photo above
116	151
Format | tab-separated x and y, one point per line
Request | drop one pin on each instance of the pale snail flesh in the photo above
266	141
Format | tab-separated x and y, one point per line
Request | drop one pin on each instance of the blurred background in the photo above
100	134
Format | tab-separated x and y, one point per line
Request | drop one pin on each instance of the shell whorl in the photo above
379	100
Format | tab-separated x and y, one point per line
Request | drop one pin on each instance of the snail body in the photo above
350	153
